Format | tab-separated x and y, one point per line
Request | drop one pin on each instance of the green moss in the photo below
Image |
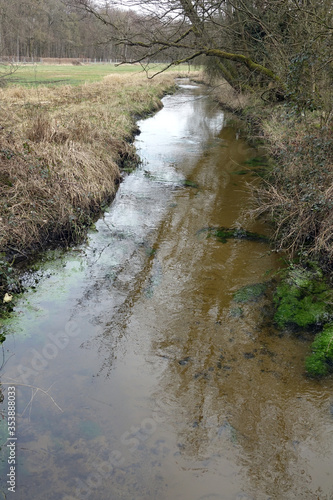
250	293
320	362
303	299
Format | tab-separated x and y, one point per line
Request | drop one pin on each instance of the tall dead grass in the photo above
297	195
60	152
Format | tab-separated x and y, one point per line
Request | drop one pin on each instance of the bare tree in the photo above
249	43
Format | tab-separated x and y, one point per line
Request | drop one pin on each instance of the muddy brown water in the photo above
137	375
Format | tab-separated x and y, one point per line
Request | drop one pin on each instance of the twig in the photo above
37	389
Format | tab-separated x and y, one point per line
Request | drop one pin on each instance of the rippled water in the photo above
137	374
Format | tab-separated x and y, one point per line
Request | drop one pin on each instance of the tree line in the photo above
283	46
34	29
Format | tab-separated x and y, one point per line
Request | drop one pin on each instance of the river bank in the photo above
296	198
63	152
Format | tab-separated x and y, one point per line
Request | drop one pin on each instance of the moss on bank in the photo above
320	362
304	301
303	298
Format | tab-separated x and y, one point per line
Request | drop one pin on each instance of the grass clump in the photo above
320	362
250	293
303	299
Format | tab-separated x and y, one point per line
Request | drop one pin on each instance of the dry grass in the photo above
60	151
298	193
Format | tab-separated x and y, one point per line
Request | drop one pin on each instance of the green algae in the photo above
240	172
223	234
236	312
188	183
250	293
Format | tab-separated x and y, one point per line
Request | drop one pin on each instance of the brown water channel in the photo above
137	375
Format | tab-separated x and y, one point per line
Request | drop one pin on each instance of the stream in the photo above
137	374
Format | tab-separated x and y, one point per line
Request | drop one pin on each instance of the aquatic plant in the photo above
250	293
240	172
320	362
236	312
223	234
192	184
255	161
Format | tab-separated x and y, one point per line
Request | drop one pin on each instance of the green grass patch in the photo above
31	75
53	74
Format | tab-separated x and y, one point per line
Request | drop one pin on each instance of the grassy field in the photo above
31	75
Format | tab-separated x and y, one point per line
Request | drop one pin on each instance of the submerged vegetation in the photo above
223	234
250	293
320	362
